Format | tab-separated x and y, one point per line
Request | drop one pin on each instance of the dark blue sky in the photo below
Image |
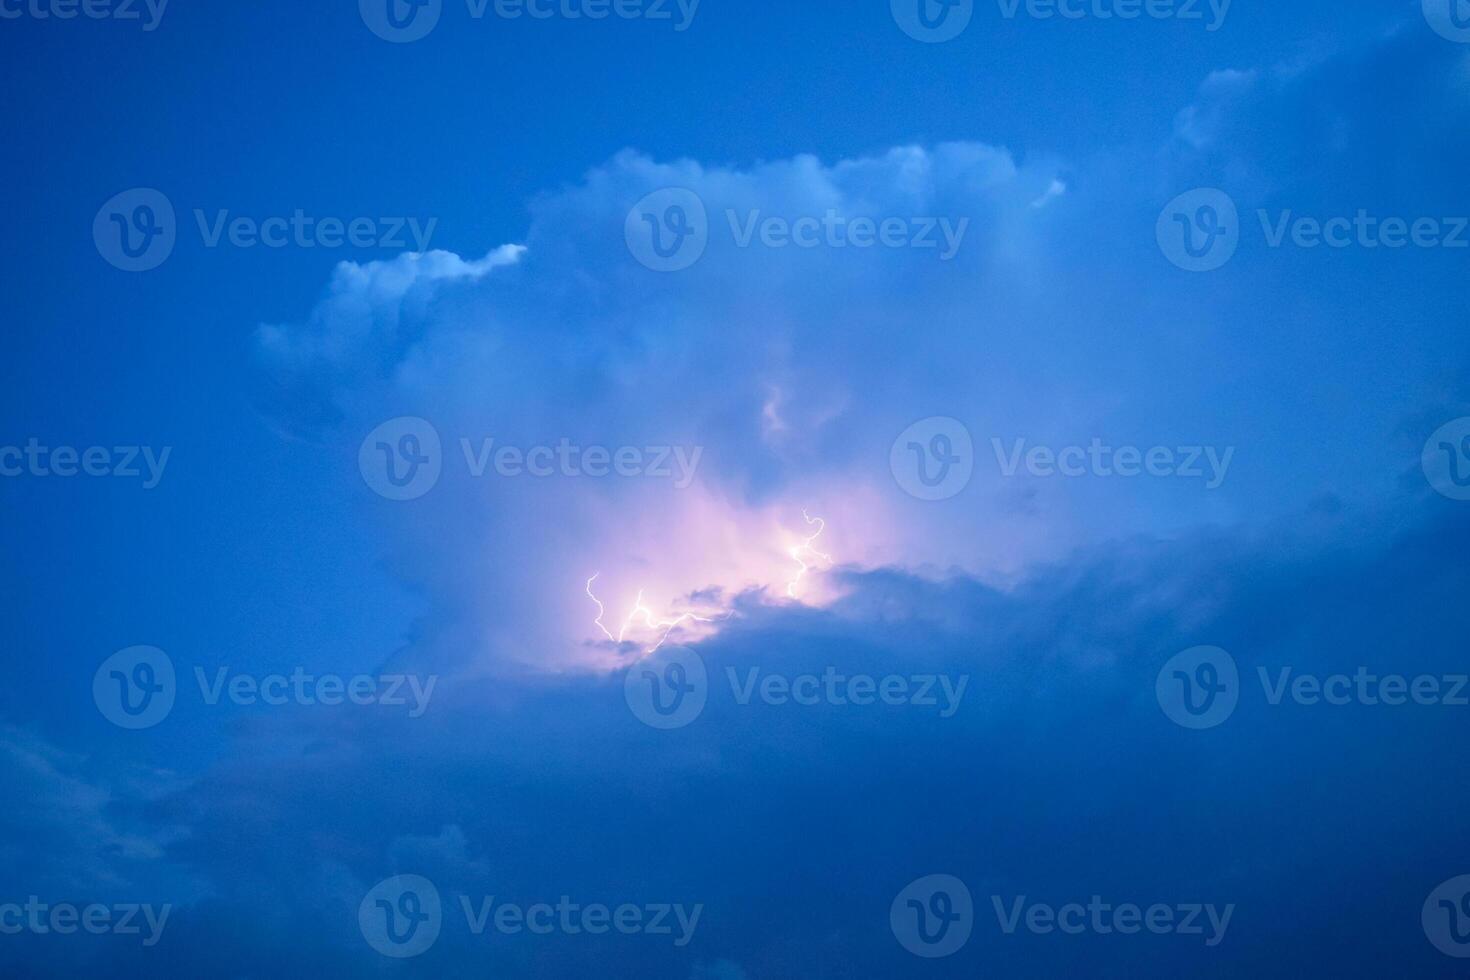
1308	403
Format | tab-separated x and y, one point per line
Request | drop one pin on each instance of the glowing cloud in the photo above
805	548
663	628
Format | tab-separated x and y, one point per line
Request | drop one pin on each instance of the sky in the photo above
713	491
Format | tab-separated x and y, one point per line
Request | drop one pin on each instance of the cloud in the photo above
72	830
771	379
794	369
1372	125
539	787
359	332
782	375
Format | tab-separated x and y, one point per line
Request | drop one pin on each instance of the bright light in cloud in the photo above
805	548
667	626
758	425
643	621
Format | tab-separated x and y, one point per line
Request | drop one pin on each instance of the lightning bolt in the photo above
806	548
650	620
667	625
600	610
